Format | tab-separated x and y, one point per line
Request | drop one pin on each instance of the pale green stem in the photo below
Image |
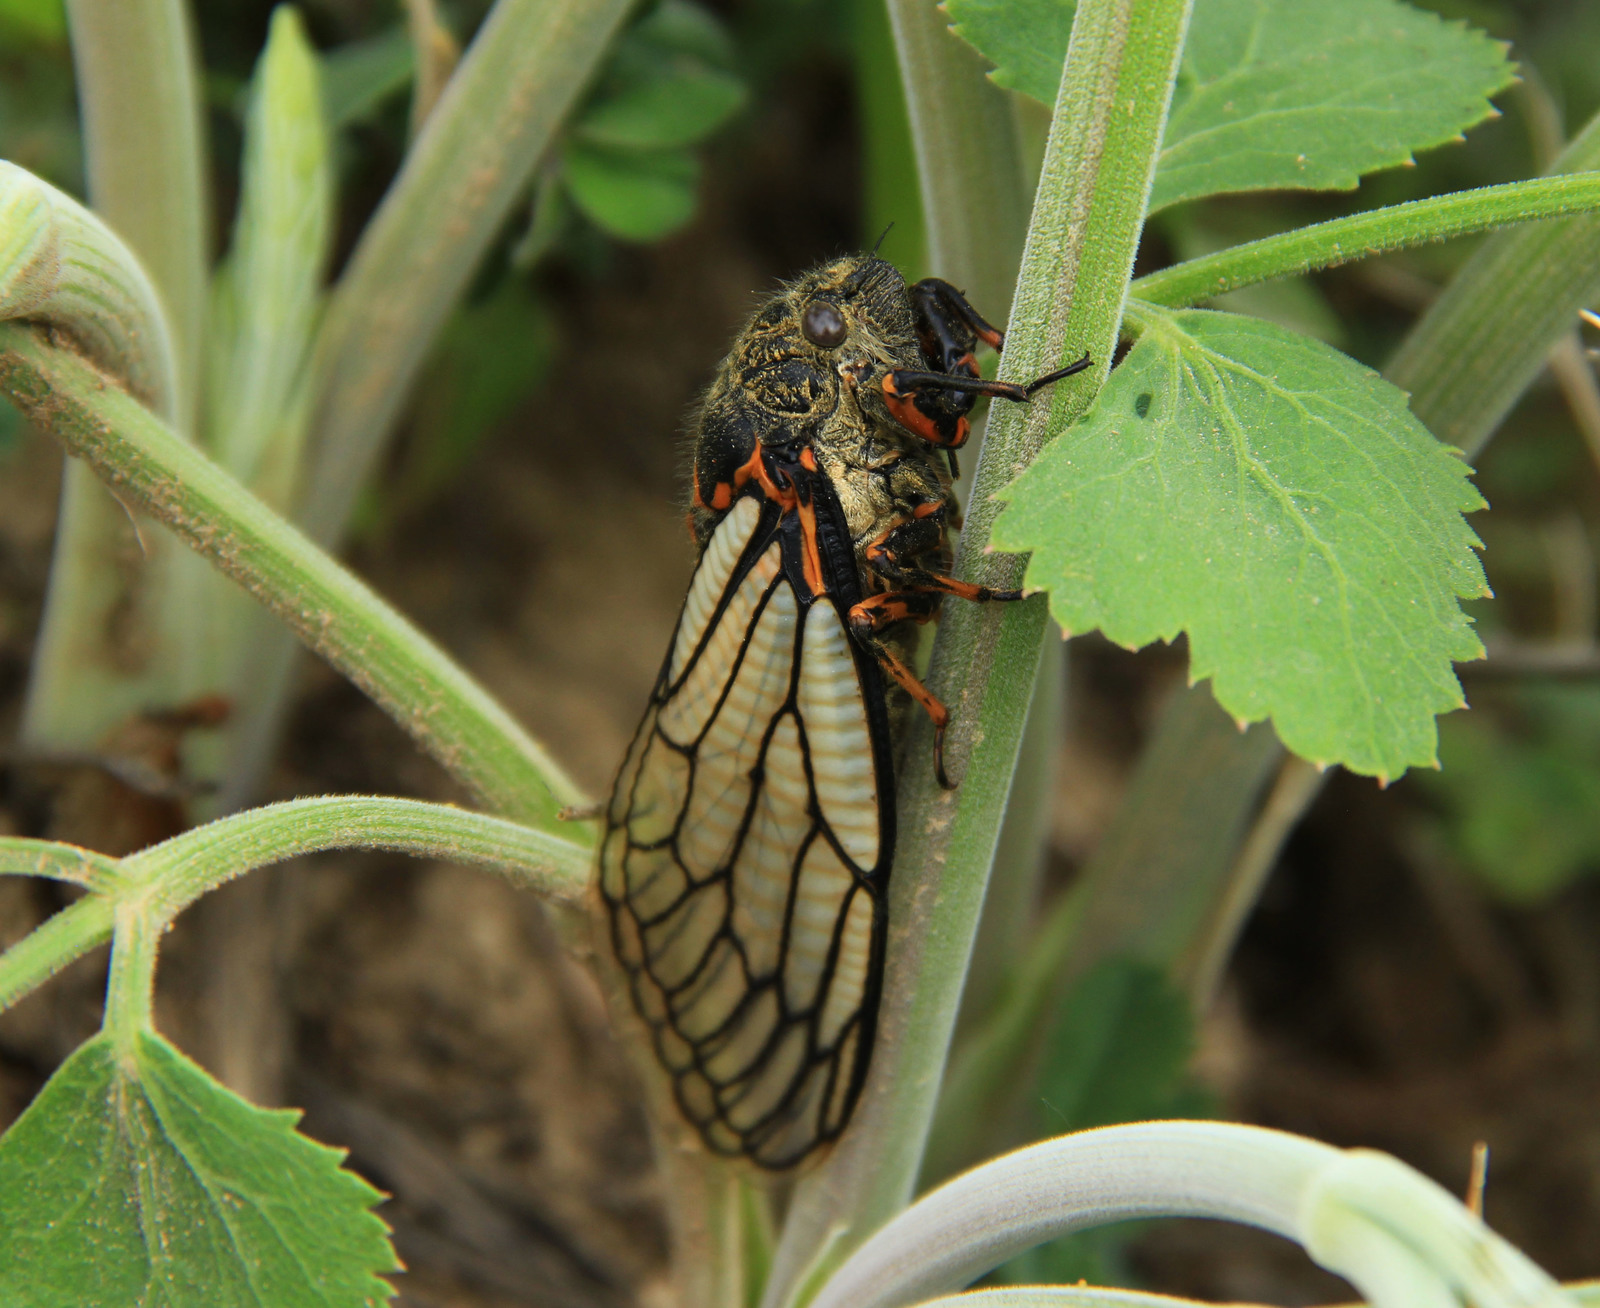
1363	235
131	982
122	627
1115	90
60	265
142	893
178	871
1095	1296
444	710
1389	1230
1487	336
48	948
969	163
473	159
139	98
1152	883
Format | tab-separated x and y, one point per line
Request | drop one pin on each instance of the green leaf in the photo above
1025	40
44	21
1279	502
1521	789
663	110
359	77
1277	93
639	195
668	83
137	1179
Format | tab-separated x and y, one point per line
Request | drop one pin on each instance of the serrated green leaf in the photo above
1520	788
144	1181
1277	93
639	195
1025	40
1279	503
663	110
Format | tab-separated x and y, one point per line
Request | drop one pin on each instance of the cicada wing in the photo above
747	850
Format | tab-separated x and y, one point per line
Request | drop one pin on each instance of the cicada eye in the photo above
823	325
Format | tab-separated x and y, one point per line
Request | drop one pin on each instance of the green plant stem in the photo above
1481	343
1108	122
443	709
178	871
473	159
131	982
44	951
142	893
1363	235
138	93
1153	882
969	162
61	265
20	857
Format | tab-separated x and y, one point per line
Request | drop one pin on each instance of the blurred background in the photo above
1422	972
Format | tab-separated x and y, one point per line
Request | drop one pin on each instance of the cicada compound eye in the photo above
823	325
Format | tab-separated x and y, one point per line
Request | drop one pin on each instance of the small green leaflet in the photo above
1279	502
639	195
1277	93
147	1182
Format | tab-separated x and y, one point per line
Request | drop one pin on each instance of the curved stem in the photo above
1362	235
411	678
20	857
49	947
1396	1235
178	871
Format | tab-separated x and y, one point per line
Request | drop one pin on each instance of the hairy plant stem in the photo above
1484	340
1109	117
442	708
1363	235
472	160
138	896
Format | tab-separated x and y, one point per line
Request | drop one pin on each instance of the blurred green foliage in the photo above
1118	1051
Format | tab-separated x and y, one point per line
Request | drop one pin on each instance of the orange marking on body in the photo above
903	409
756	467
808	459
991	337
969	365
927	510
811	555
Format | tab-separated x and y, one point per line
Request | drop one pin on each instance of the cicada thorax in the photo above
749	837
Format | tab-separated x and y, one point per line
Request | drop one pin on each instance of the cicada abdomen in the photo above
749	844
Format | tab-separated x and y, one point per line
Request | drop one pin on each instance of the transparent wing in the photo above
746	854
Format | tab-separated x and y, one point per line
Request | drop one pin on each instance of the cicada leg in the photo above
918	591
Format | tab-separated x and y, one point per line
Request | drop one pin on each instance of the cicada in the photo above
749	837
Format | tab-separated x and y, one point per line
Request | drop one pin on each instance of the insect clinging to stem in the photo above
749	836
